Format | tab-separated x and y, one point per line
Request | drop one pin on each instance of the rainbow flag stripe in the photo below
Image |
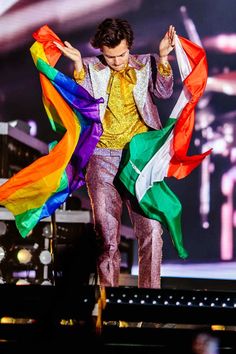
38	190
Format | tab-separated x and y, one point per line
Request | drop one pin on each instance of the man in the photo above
128	84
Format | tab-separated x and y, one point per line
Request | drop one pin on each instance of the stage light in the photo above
47	231
2	254
3	228
218	328
45	257
2	281
29	274
33	127
22	282
169	305
46	282
24	256
21	263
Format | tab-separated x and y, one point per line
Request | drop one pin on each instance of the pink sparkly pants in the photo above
107	196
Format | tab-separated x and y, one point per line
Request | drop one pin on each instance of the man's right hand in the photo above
71	53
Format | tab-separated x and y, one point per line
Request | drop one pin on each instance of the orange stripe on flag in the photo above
59	156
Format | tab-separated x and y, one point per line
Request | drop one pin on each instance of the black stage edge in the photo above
37	318
47	319
206	307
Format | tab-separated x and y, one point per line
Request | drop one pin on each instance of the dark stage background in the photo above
207	195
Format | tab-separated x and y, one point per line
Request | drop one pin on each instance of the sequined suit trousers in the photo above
107	196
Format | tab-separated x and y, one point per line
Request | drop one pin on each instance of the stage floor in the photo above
207	276
216	270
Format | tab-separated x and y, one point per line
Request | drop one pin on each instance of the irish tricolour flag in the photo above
154	155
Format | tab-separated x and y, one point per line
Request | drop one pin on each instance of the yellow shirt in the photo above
122	120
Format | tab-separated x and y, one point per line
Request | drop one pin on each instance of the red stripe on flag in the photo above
46	37
181	164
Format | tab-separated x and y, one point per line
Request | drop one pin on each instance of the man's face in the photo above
116	58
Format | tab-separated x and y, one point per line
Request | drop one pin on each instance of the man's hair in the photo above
111	32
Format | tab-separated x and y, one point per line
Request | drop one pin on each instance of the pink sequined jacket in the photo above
149	84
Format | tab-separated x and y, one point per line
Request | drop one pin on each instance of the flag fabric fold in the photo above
153	156
38	190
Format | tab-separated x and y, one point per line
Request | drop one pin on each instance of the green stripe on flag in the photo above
46	69
141	149
159	202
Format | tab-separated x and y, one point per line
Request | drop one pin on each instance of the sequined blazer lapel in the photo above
100	74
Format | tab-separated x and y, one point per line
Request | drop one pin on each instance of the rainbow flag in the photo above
38	190
155	155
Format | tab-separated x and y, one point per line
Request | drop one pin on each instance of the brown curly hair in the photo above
111	32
